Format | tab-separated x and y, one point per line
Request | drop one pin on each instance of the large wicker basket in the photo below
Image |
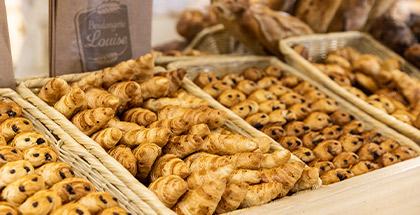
319	45
297	203
83	163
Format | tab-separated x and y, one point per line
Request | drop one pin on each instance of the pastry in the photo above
323	166
245	176
302	51
114	211
264	144
9	154
205	78
351	143
345	160
267	82
42	203
169	189
129	93
125	157
14	170
156	105
336	175
271	105
228	144
215	88
366	82
308	180
53	90
247	87
301	110
98	97
338	60
19	190
353	127
230	98
202	161
175	78
317	121
304	154
274	130
273	71
155	87
312	139
328	149
71	189
304	87
146	154
253	74
71	208
387	159
357	92
290	81
275	159
184	145
245	108
363	167
232	79
2	141
213	118
341	118
142	117
9	110
169	164
158	136
261	96
107	137
367	64
92	120
412	54
325	105
8	209
247	160
279	116
292	98
279	90
55	172
202	130
389	144
339	78
287	175
40	155
404	153
199	178
176	125
372	136
370	152
262	193
71	103
296	128
98	201
114	122
10	127
332	133
29	139
347	52
232	197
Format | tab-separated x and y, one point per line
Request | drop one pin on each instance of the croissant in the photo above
275	159
199	178
98	201
308	180
317	121
262	96
300	110
245	108
304	154
404	153
213	118
232	79
40	155
312	139
14	170
232	197
345	160
142	117
245	176
203	161
253	74
53	90
267	82
55	172
98	97
364	167
231	97
90	121
351	143
184	145
169	165
18	191
202	130
274	130
258	120
114	122
228	144
328	149
279	90
155	87
389	144
42	203
10	127
28	139
176	125
202	200
332	133
146	154
341	118
262	193
215	88
175	78
158	136
156	105
290	142
336	175
287	174
205	78
322	166
129	93
264	144
169	189
9	110
313	95
125	157
107	137
247	87
296	128
247	160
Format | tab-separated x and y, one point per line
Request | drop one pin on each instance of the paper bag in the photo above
89	35
7	77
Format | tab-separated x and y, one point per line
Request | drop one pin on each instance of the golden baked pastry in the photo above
9	110
169	165
40	155
158	136
363	167
107	137
141	116
336	175
274	130
176	125
312	139
14	170
317	121
184	145
345	160
216	88
29	139
245	108
275	159
232	79
10	127
296	128
71	189
323	166
304	154
98	201
9	154
98	97
213	118
146	154
129	93
245	176
205	78
71	103
258	120
19	190
328	149
247	86
155	87
231	97
92	120
199	178
42	203
202	130
55	172
175	78
228	144
169	189
53	90
232	197
125	157
70	209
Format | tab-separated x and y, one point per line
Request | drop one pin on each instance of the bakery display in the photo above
305	121
32	180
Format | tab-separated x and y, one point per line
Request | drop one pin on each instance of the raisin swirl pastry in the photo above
205	78
351	143
271	105
114	211
98	201
296	128
262	96
389	144
9	154
301	110
232	79
312	139
71	189
341	118
18	191
278	116
13	126
253	74
345	160
305	154
267	82
336	175
279	90
39	155
292	98
55	172
317	121
41	203
289	81
357	92
258	120
304	87
290	142
372	136
328	149
231	97
274	130
364	167
404	153
323	166
7	208
247	87
313	95
216	88
332	133
273	71
387	159
13	171
245	108
71	209
9	110
324	105
370	152
28	139
353	127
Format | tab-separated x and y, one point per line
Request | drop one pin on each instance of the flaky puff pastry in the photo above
325	105
336	175
2	141
98	97
338	60
232	79
258	120
169	189
155	87
14	170
366	82
368	64
341	118
71	189
287	174
274	130
28	139
53	90
125	157
304	87
204	78
199	178
264	144
353	127
9	128
322	166
279	90
290	142
357	92
158	136
55	172
349	53
9	110
245	108
271	105
213	118
9	154
8	209
40	155
98	201
404	153
300	110
202	130
90	121
370	152
308	180
262	96
158	104
253	74
273	71
114	122
292	98
247	87
351	143
364	167
304	154
129	93
267	82
317	121
18	191
387	159
202	200
372	136
228	144
114	211
404	116
416	122
41	203
201	161
389	144
312	139
70	209
332	132
275	159
141	116
345	160
175	78
232	197
245	176
176	125
247	160
146	154
313	95
71	103
169	165
296	128
215	88
289	81
231	97
184	145
328	149
107	137
262	193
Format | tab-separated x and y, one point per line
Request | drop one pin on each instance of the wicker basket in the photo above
82	162
319	45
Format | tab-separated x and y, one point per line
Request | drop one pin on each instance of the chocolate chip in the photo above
2	156
35	204
289	143
70	189
11	113
258	126
22	188
407	152
368	166
322	168
297	130
340	176
48	157
72	172
306	128
62	175
273	132
115	199
348	171
80	212
352	132
215	88
335	143
26	122
15	129
234	81
339	129
354	156
9	212
49	199
294	96
360	124
355	142
14	151
328	102
40	141
238	96
27	139
302	100
307	153
12	171
27	168
275	108
351	117
224	83
343	114
241	108
263	116
250	108
35	179
230	96
329	120
87	188
102	199
391	159
360	139
330	133
391	146
298	143
345	161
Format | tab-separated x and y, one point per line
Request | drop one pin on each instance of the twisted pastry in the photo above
53	90
169	189
90	121
107	137
142	117
71	103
